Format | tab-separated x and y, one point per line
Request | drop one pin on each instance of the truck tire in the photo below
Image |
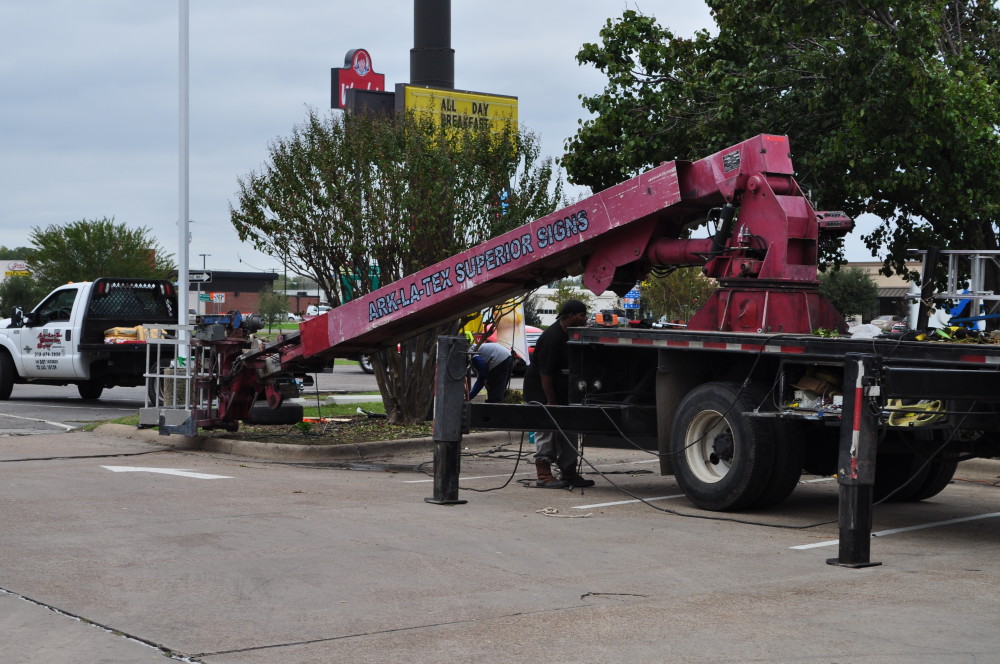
789	450
90	390
898	476
286	413
365	362
821	450
723	460
940	472
7	373
902	473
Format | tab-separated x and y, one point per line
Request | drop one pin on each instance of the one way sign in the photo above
201	277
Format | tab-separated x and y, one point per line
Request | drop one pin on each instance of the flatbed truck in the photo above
737	404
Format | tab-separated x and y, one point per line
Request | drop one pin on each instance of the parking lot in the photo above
122	550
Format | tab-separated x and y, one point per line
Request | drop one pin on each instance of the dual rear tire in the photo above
725	459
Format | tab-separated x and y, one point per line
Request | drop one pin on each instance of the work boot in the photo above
546	480
577	481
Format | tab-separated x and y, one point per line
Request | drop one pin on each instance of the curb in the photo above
282	452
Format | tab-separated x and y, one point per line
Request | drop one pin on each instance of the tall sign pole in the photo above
432	59
183	179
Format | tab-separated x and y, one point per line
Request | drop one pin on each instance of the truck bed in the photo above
803	346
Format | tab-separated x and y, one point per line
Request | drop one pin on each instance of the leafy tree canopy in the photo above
14	253
360	200
892	108
87	249
851	291
22	292
372	198
677	294
273	307
569	289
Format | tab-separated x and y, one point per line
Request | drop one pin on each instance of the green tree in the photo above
531	315
14	253
677	294
891	108
368	196
272	307
569	289
851	291
22	292
87	249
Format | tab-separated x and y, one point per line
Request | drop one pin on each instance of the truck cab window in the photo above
57	307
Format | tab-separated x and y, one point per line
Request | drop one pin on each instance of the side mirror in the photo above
21	319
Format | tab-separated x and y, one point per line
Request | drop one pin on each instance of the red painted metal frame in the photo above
766	265
512	263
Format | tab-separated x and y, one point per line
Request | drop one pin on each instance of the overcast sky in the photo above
89	107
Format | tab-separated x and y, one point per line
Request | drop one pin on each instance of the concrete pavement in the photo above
278	562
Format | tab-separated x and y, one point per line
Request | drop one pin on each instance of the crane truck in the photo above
737	404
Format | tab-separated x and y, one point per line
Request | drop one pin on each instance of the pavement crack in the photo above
84	456
586	595
163	650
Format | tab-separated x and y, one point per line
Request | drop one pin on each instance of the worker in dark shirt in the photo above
546	382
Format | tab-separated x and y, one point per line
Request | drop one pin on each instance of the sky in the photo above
89	108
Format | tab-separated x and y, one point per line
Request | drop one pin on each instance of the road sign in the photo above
200	277
632	299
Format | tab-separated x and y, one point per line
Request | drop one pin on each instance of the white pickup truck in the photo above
65	341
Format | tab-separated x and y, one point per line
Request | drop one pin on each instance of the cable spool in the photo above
929	413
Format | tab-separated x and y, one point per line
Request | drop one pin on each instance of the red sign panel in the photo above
356	73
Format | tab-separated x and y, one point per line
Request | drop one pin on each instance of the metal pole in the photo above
432	59
449	398
856	466
183	286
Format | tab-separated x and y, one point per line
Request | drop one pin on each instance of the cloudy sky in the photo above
89	108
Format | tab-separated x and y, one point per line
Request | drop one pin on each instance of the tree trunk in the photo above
405	376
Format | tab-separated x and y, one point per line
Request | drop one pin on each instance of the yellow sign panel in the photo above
17	273
454	108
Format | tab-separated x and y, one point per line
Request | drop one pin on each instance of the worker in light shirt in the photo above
492	363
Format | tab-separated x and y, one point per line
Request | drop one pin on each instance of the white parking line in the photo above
626	502
895	531
35	419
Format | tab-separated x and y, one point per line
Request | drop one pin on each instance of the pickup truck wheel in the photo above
723	460
365	362
90	390
7	373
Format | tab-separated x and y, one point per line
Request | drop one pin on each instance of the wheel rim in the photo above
709	447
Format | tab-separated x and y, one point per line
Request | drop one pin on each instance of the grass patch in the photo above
342	409
130	420
354	427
